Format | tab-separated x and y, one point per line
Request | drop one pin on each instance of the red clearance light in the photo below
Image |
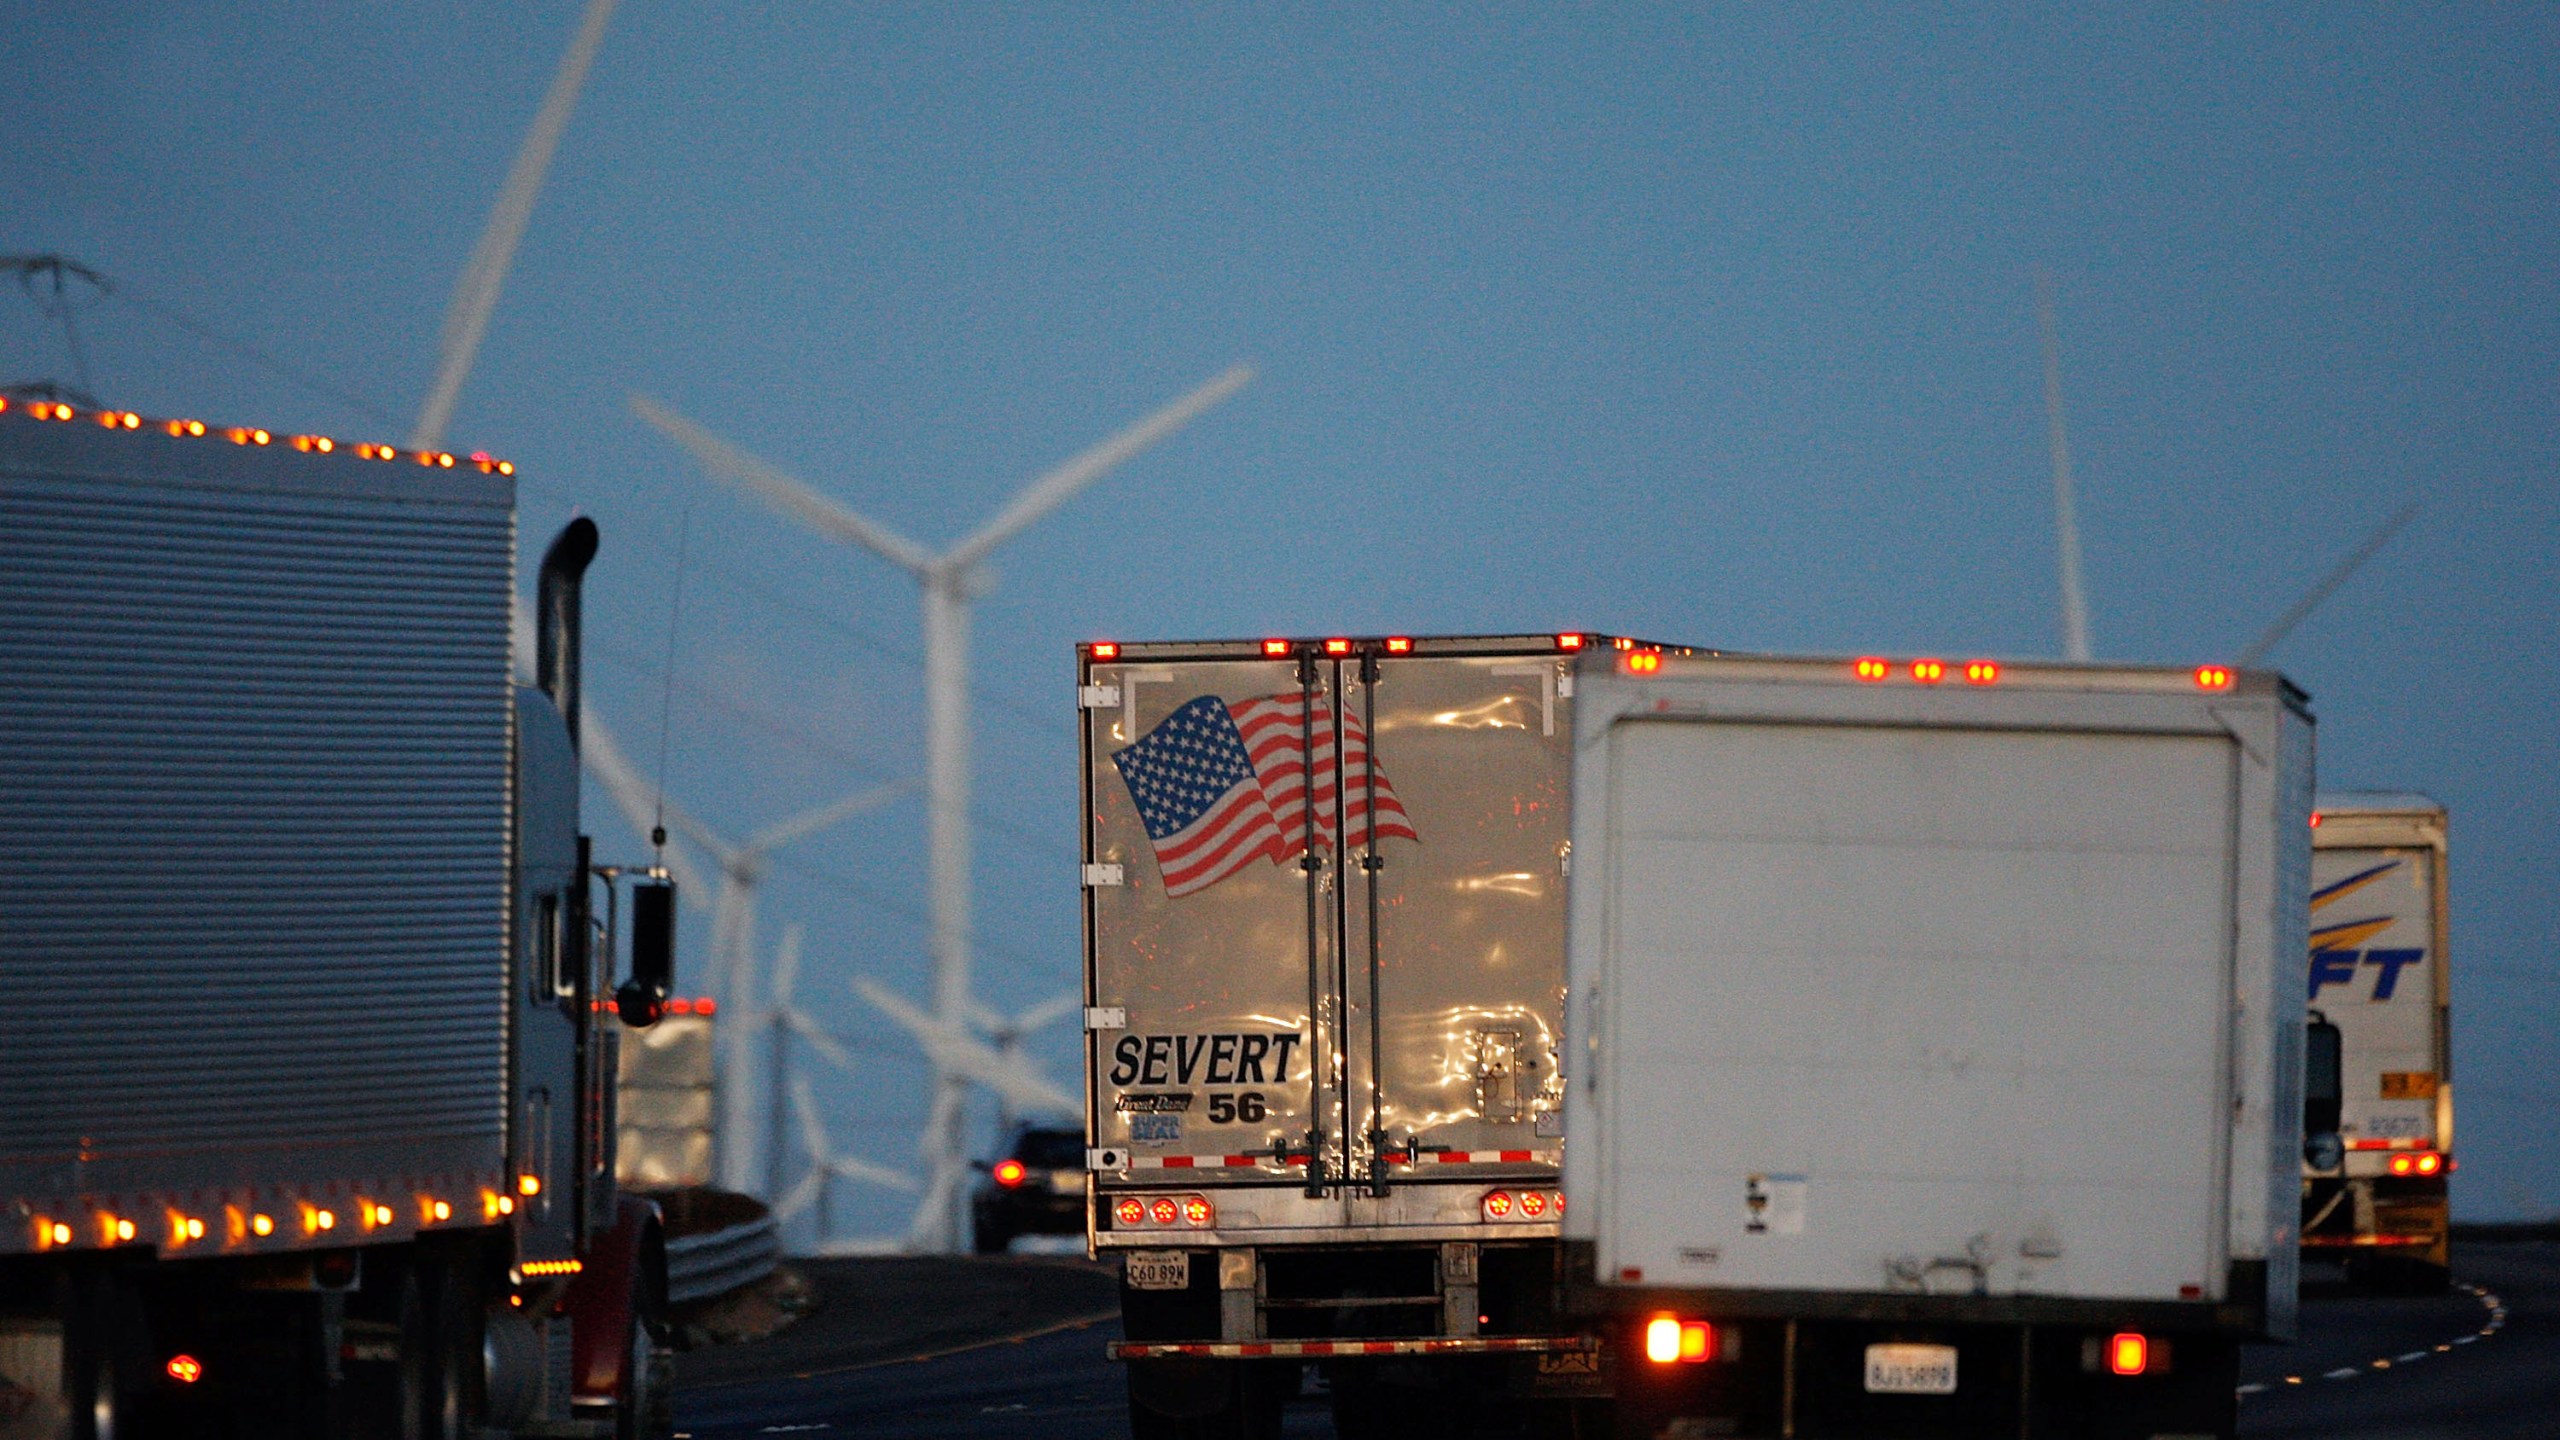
1337	647
185	1369
1871	669
1105	650
1568	642
679	1006
2212	677
1130	1212
1982	672
1644	662
2315	819
1275	647
1399	644
1928	672
705	1005
2128	1353
1009	1173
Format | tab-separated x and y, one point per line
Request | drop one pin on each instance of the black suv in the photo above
1036	1188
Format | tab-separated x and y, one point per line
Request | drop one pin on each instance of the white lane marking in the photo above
2412	1355
2251	1389
2343	1372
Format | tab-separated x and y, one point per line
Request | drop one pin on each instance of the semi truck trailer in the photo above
2378	1154
307	1033
1934	1056
1572	1034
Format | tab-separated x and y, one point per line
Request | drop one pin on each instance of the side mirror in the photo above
643	997
2323	1092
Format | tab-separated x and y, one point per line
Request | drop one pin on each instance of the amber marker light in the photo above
529	1185
1644	662
262	1224
1928	672
1871	669
2212	677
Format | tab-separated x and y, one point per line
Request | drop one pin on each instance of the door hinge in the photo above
1097	697
1105	875
1106	1017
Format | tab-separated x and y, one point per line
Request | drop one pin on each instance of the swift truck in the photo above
306	1106
1936	1049
1932	1064
2378	1100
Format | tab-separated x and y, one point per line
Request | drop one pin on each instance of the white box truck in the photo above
2378	1110
1935	1050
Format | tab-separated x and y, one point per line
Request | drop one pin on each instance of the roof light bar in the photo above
252	435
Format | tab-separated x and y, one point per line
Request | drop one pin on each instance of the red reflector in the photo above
2212	677
185	1369
1644	662
1399	645
1928	672
1105	650
1871	669
1275	647
2128	1353
1009	1173
1568	642
1982	672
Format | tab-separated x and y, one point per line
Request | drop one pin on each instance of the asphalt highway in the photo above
2481	1363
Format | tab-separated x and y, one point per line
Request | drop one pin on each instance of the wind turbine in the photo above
2321	589
949	581
2075	605
1007	1032
475	293
825	1165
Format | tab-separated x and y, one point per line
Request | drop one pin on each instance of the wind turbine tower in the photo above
949	581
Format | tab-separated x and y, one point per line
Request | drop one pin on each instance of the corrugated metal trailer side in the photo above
254	828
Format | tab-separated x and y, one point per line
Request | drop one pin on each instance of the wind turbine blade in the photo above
1058	486
2337	576
475	295
818	1039
897	1007
813	1127
2066	522
1056	1007
801	1193
784	492
786	967
881	1175
801	827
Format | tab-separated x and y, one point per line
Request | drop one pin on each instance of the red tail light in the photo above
2429	1164
2128	1353
185	1369
1668	1339
1197	1212
1009	1173
1498	1205
1130	1212
1164	1212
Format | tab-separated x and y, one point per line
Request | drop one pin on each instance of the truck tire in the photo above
106	1358
646	1408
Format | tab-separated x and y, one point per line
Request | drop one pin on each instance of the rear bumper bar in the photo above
1321	1349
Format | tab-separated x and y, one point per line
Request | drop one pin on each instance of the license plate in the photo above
1171	1270
1911	1369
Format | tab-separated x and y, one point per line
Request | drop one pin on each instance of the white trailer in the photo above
1934	1043
2379	1108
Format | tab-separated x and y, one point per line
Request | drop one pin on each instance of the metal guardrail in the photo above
718	1261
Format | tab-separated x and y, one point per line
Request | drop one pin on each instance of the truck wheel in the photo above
646	1408
449	1399
106	1359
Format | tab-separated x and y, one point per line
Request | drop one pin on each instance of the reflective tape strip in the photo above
1301	1349
1477	1157
1197	1162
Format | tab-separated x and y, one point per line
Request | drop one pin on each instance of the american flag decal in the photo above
1218	786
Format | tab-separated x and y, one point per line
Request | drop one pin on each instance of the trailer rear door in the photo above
1916	1009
